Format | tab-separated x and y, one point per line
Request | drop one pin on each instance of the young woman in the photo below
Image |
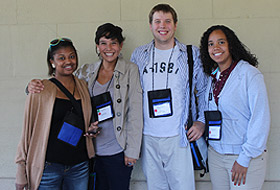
45	158
236	89
118	143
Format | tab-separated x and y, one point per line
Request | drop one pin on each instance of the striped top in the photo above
141	57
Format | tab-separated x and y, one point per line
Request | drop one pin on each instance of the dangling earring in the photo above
53	66
98	53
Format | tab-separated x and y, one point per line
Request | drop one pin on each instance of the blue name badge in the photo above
213	124
215	130
70	134
162	107
160	103
105	111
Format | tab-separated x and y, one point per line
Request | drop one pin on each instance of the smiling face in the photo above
163	29
218	49
65	61
109	49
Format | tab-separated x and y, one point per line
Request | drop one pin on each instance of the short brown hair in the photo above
164	8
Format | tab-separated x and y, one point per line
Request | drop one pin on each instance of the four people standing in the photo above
235	88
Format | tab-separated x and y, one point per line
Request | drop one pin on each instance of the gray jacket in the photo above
128	120
245	110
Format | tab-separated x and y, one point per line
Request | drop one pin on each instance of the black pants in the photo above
112	173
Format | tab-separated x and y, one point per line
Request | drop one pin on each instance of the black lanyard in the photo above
153	73
211	96
211	93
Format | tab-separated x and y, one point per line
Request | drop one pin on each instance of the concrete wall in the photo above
27	26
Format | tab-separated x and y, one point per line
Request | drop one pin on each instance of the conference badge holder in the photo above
160	103
102	106
213	123
69	132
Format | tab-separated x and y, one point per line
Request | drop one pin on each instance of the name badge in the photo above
162	109
102	107
213	124
104	111
160	103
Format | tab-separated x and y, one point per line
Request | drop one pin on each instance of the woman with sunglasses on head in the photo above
47	157
118	143
238	107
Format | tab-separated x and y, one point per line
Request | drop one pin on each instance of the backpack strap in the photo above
190	64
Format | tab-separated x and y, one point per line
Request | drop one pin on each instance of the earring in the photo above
53	66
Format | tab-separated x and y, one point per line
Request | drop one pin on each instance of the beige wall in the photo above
27	26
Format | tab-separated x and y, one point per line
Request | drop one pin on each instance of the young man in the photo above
166	156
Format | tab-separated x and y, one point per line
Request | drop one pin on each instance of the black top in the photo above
57	150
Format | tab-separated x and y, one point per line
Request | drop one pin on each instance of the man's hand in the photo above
35	86
238	173
196	131
129	161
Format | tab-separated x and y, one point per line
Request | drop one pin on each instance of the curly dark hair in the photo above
237	49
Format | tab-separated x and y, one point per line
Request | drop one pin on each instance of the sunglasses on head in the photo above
57	41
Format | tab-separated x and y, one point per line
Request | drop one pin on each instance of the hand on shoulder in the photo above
35	86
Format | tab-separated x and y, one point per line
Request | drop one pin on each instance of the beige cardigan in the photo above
32	147
128	122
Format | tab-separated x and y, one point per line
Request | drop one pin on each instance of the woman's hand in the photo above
196	131
35	86
238	173
20	186
129	161
93	130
